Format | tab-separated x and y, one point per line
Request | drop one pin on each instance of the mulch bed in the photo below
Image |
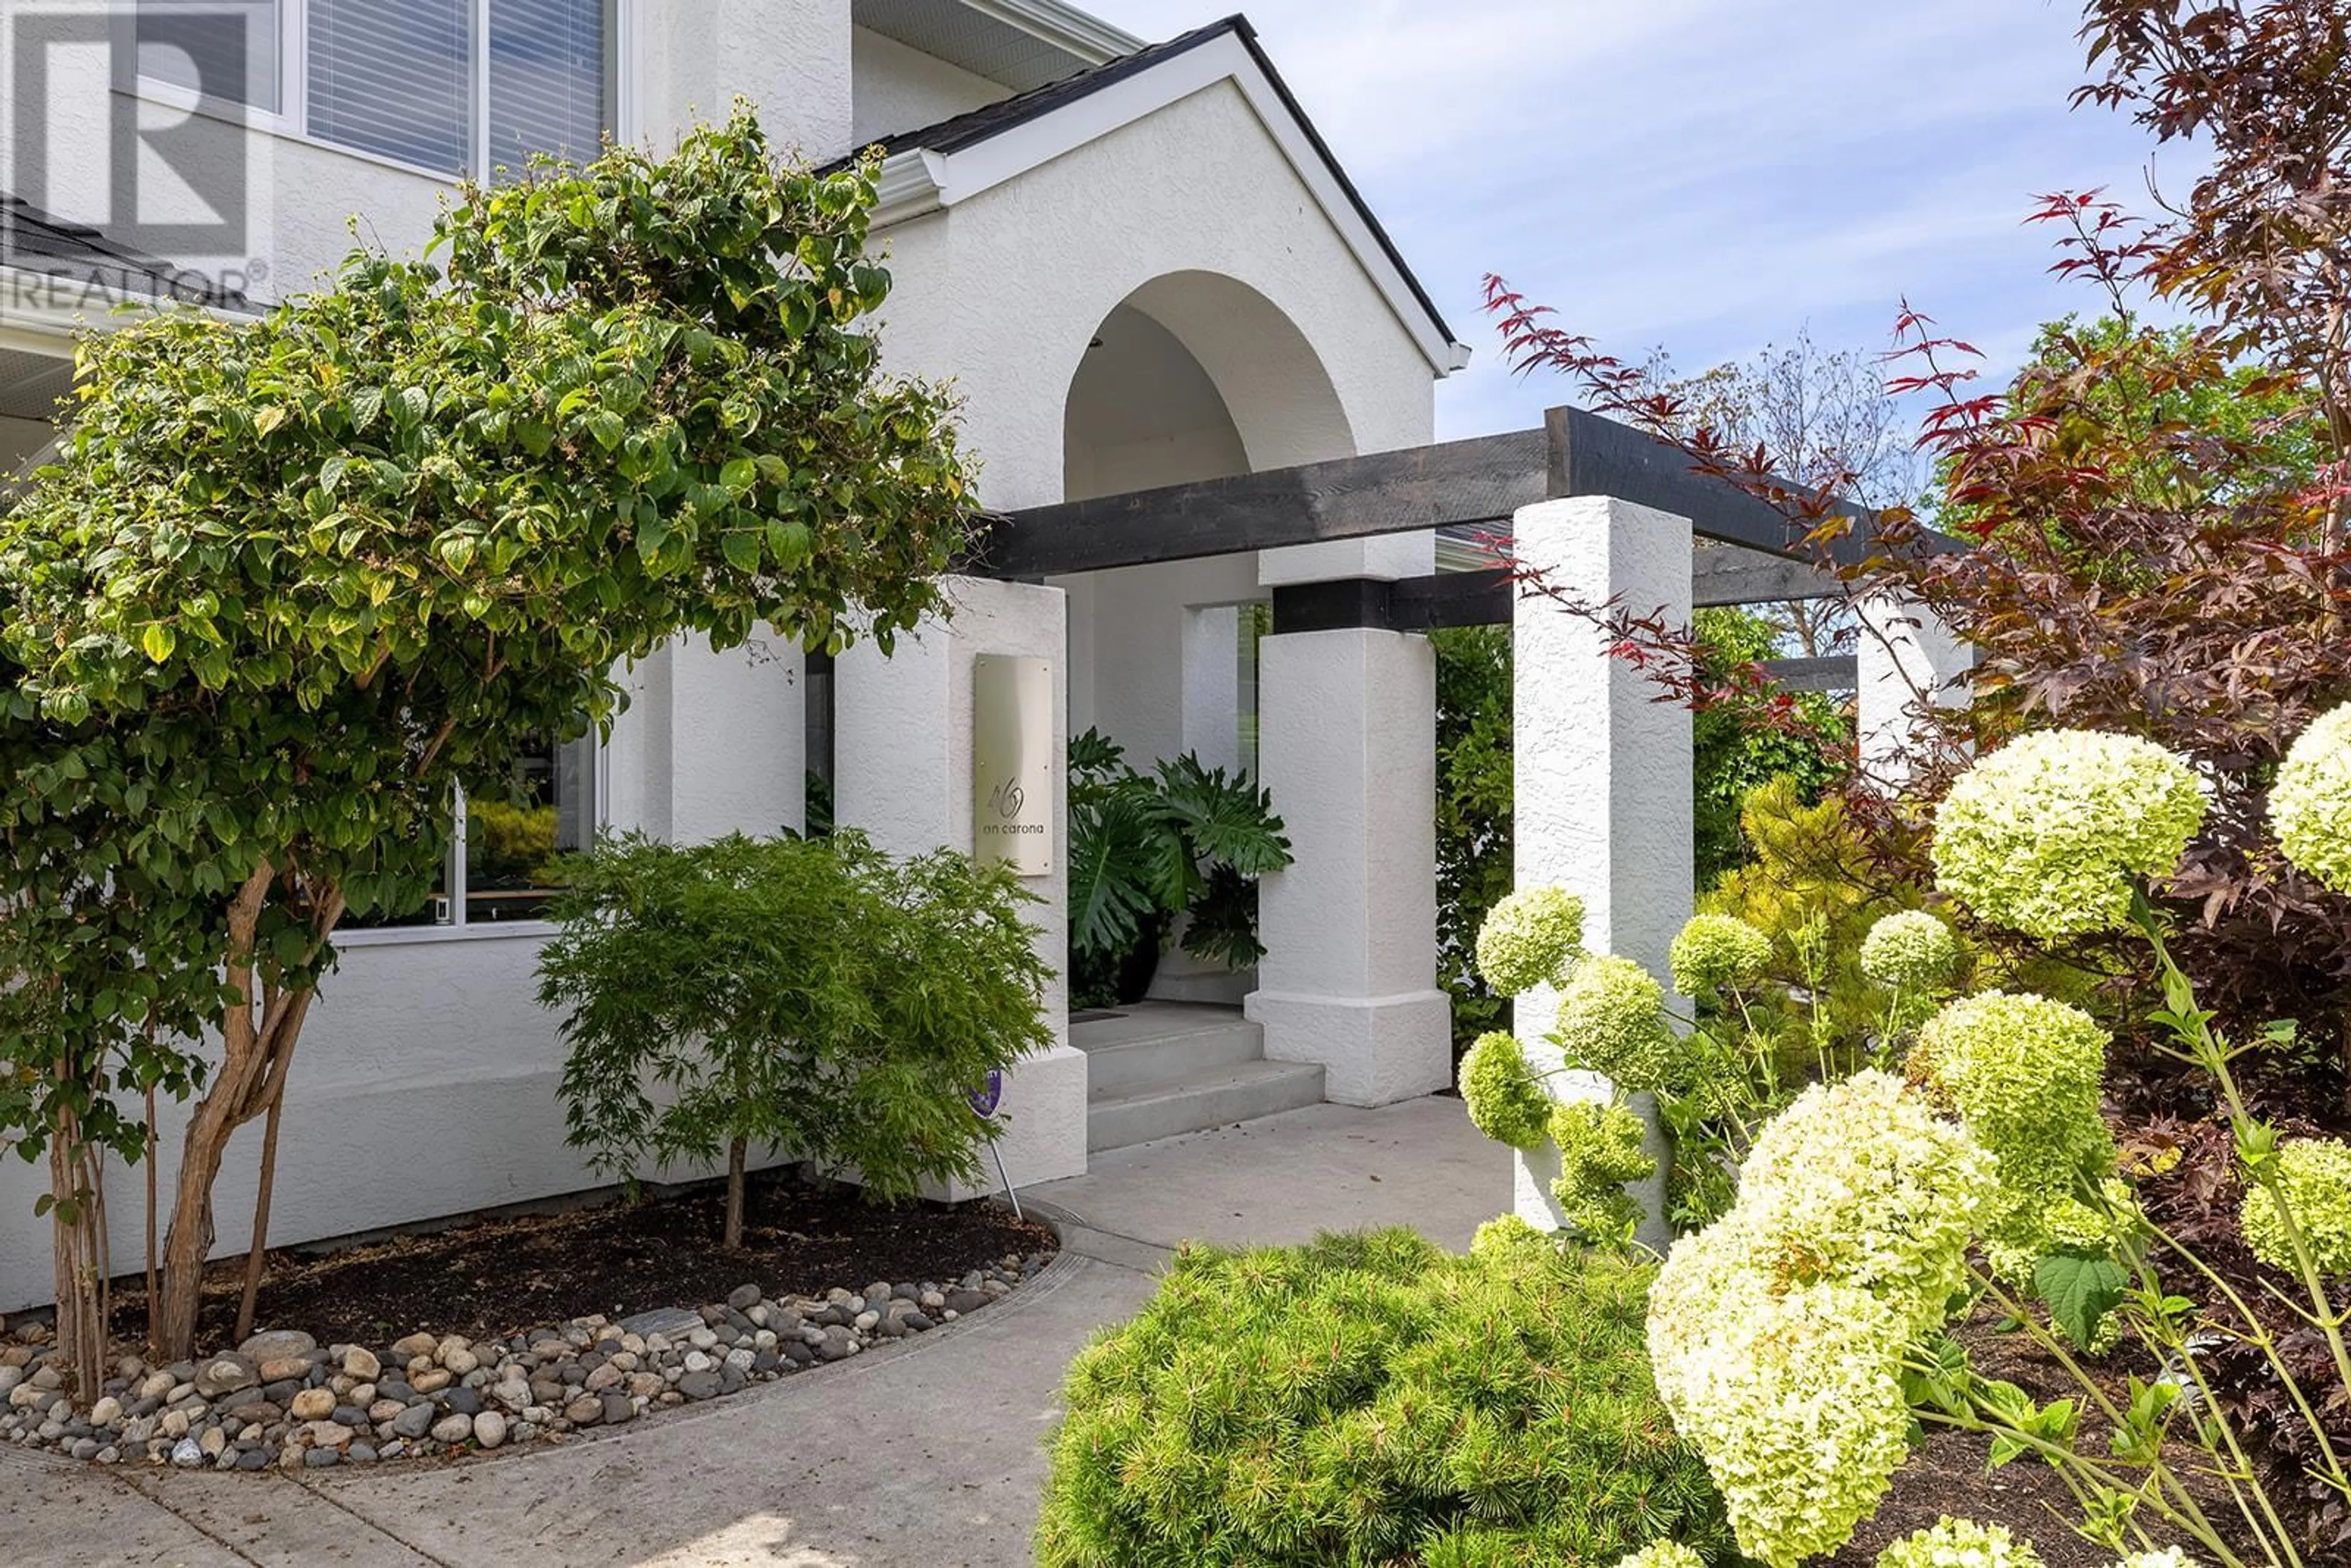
1949	1475
498	1276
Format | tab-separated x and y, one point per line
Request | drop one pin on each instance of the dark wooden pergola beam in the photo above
1730	576
1480	482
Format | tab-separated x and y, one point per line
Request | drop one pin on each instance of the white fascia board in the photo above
1073	32
959	176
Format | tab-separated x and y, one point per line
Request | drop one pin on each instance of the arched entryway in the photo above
1194	376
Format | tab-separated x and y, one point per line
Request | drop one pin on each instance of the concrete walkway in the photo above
926	1454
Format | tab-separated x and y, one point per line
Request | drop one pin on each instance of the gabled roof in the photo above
937	165
33	241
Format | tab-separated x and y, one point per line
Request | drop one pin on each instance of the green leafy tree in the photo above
293	580
1475	785
1731	756
809	996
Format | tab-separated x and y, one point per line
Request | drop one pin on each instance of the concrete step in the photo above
1217	1097
1162	1044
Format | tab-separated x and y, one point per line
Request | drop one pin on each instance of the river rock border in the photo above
282	1399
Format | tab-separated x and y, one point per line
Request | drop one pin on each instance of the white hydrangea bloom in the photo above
2045	834
1911	949
2169	1557
1866	1185
1777	1334
1793	1396
1959	1544
1662	1554
2309	804
1530	938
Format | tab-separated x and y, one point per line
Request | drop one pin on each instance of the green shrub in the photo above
1370	1399
814	996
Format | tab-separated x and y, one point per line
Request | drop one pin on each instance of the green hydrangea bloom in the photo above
1718	953
1599	1151
1504	1099
1612	1021
2045	834
1911	950
2309	804
2023	1073
1508	1233
1530	938
2317	1176
1662	1554
1959	1544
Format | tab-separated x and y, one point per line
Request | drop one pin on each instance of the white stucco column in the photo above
903	772
1347	744
711	743
1905	656
1602	770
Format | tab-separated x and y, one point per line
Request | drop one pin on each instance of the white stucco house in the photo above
1142	266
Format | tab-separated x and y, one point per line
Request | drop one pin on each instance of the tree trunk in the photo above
256	1254
736	1151
81	1267
257	1050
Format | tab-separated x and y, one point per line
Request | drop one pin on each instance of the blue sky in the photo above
1707	176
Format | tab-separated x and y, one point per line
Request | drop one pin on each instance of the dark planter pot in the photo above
1141	962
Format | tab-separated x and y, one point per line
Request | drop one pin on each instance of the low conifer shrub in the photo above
1372	1399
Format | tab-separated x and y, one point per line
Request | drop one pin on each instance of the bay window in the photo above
456	87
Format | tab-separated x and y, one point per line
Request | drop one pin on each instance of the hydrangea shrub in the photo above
1530	938
2315	1173
2310	803
1718	953
1663	1554
2045	835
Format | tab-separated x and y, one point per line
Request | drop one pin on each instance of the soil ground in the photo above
498	1276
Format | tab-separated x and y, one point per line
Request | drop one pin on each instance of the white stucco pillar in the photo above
1347	744
1905	656
1602	770
711	743
903	772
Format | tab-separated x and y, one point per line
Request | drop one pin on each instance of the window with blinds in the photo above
225	51
404	78
395	78
548	87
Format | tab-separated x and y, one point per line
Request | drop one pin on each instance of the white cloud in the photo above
1704	174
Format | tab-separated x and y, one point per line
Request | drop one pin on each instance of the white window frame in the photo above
457	928
290	120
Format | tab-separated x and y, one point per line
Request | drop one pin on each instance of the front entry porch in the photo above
1155	1069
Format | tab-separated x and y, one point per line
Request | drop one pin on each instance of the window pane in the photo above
395	78
547	80
510	842
225	51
